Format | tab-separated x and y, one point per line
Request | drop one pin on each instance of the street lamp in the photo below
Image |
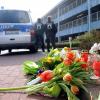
89	16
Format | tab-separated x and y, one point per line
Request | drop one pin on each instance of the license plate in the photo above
11	32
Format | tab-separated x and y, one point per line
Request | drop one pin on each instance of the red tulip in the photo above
96	65
84	56
84	66
84	59
46	75
85	62
97	73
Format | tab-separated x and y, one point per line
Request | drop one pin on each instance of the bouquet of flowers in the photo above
59	73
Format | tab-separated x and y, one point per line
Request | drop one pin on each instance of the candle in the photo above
96	68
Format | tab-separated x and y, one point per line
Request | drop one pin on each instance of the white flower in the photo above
94	48
98	46
78	54
63	53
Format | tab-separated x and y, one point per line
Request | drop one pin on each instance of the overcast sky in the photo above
38	8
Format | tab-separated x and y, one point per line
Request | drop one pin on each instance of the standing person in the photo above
50	30
39	29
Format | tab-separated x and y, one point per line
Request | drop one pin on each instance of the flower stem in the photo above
14	88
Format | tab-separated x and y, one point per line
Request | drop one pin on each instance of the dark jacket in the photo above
39	28
50	28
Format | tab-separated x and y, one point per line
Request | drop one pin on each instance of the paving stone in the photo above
11	96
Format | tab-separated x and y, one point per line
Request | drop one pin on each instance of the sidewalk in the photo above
12	76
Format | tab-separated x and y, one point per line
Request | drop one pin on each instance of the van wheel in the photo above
33	49
9	50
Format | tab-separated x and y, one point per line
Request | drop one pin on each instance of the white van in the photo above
16	30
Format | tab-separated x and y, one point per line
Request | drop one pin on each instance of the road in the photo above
18	57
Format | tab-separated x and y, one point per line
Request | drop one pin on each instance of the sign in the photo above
70	42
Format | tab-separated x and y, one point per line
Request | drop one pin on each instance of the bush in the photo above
88	39
66	44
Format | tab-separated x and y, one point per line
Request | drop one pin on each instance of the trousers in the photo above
50	39
40	42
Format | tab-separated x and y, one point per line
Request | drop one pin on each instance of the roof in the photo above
56	6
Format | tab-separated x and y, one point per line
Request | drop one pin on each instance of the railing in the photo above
65	9
74	23
80	21
71	6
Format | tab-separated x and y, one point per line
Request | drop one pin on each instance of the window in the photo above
74	4
54	16
66	25
61	11
14	16
83	1
79	21
70	24
99	15
78	2
62	27
84	20
75	23
66	9
71	6
94	17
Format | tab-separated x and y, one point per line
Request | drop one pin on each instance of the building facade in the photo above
75	17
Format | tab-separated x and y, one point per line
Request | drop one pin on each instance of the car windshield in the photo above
14	16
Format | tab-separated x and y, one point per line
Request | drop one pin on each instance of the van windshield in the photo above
14	16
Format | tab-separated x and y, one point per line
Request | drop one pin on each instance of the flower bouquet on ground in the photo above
59	74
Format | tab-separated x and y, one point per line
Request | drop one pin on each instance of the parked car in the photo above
16	30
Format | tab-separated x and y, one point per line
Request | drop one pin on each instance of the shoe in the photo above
43	50
48	50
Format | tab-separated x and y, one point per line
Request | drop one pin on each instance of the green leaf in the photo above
69	93
79	84
99	97
30	67
55	90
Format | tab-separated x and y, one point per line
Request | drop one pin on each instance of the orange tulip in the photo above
68	77
67	62
77	59
70	55
67	49
74	89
